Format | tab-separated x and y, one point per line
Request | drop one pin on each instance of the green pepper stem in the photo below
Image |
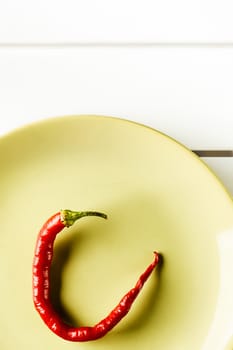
68	217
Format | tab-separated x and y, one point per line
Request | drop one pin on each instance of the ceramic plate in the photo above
158	196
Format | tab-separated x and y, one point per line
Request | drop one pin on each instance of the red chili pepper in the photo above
41	283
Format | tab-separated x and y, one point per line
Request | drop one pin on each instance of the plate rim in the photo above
57	118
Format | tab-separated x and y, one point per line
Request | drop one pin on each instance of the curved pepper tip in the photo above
158	258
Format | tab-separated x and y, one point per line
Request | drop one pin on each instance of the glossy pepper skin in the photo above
41	283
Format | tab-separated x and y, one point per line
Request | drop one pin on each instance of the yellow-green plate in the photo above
158	196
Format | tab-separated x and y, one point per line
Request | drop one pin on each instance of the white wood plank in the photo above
223	168
72	21
186	93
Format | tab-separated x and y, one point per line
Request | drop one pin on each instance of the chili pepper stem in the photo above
68	217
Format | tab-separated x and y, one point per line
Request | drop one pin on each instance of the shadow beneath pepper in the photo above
129	211
61	257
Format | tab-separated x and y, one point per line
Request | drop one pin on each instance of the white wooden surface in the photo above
49	21
167	64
